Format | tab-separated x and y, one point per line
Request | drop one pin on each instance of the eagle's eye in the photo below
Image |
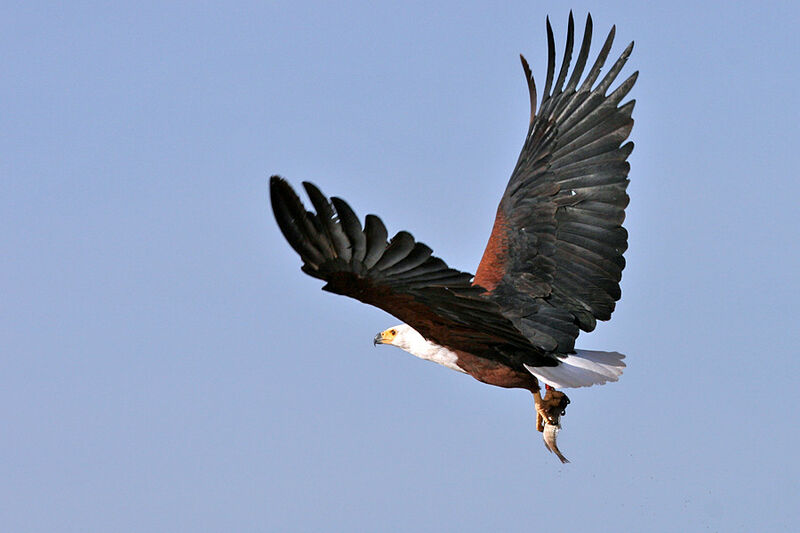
392	332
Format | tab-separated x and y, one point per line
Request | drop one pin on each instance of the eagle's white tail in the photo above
581	369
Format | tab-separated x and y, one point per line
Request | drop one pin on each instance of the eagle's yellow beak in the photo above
384	337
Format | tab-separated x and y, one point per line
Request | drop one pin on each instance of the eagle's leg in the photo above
550	408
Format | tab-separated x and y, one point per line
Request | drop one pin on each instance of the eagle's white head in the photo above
403	336
407	338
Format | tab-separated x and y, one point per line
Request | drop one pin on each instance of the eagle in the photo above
554	259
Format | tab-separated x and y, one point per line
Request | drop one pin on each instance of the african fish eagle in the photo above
552	265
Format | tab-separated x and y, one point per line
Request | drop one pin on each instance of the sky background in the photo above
165	366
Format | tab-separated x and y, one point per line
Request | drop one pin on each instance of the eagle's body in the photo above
580	369
552	265
481	368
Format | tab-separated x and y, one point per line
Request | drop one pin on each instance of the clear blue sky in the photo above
165	366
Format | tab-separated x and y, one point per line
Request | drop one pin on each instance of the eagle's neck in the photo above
411	341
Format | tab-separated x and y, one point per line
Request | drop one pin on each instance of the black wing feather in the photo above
562	75
352	228
583	55
376	235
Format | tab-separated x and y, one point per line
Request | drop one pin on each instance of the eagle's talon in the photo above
551	408
555	403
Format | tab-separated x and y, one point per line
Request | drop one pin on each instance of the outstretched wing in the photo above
400	276
554	259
